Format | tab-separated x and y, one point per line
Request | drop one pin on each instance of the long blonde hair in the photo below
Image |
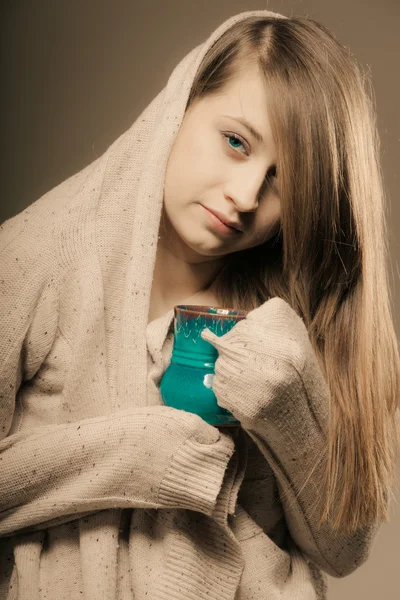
329	258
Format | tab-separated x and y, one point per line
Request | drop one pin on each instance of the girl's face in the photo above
216	163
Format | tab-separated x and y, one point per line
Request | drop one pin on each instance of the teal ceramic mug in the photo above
187	382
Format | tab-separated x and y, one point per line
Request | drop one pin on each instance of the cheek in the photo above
273	212
177	181
268	224
194	167
203	163
189	167
200	152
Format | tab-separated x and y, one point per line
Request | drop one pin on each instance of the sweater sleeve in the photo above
282	402
153	457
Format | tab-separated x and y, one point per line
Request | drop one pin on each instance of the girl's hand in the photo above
258	359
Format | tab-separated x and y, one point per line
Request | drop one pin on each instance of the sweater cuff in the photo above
196	473
234	475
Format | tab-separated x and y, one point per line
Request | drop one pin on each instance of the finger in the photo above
209	336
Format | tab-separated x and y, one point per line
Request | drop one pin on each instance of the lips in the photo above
224	220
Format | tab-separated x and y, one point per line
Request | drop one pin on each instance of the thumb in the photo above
209	336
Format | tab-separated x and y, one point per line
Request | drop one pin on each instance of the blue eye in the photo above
237	138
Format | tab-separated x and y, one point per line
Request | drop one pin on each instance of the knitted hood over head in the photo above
129	177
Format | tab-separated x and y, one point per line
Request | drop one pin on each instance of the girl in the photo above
104	491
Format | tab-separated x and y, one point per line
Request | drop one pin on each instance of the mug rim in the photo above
197	308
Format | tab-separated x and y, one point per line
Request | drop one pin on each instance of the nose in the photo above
248	189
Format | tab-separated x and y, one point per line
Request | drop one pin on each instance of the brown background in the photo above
76	74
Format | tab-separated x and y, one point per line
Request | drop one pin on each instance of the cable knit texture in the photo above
105	493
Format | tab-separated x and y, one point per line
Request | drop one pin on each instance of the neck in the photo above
175	279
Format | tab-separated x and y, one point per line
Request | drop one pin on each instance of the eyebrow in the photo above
248	126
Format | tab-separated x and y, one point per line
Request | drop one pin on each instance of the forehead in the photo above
246	86
244	96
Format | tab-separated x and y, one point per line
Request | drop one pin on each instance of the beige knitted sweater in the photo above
105	493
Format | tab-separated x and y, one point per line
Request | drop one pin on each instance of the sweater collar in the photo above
156	333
